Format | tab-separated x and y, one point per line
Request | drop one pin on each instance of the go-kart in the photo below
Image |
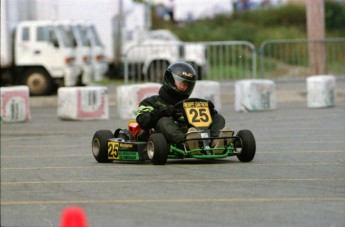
135	144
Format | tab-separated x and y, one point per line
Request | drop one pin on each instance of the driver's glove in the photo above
169	111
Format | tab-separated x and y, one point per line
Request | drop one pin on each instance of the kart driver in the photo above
157	111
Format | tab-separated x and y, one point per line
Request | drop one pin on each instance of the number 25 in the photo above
200	115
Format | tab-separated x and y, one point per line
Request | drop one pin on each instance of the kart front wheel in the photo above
100	145
157	149
248	146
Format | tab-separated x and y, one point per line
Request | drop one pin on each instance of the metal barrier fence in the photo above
289	59
227	60
233	60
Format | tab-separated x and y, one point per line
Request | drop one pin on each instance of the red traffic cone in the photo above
73	217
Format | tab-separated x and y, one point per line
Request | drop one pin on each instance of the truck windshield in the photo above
93	36
82	36
66	36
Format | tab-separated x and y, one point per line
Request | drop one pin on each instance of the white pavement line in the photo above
43	146
302	142
297	152
181	200
137	165
175	181
45	155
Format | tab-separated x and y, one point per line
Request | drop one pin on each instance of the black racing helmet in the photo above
180	73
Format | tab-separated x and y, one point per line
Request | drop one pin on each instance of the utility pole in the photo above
148	19
117	22
316	31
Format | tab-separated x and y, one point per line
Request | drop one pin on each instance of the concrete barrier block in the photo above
255	95
321	91
128	97
15	106
209	90
83	103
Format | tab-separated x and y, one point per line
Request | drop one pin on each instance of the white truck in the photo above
194	53
89	49
36	53
147	56
128	40
98	59
154	50
74	31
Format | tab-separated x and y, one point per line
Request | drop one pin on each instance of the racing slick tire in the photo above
157	149
100	145
248	147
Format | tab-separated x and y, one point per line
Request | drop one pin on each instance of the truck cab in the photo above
82	49
99	63
44	57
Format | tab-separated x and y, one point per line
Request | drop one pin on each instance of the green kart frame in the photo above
130	144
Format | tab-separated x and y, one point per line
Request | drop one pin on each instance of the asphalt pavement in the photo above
297	177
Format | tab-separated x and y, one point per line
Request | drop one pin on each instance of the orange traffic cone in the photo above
73	217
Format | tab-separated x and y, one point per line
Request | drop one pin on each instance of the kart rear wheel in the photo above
100	145
248	146
157	149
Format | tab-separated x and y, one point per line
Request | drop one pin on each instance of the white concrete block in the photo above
15	106
255	95
83	103
320	91
209	90
128	97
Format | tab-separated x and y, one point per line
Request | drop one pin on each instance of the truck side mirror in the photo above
53	39
55	43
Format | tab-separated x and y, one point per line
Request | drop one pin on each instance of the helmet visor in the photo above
183	85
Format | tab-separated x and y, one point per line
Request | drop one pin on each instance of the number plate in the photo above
113	150
123	150
198	113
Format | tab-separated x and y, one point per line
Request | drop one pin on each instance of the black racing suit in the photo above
150	114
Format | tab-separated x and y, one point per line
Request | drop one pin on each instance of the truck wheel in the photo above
156	71
157	149
100	145
248	146
38	81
